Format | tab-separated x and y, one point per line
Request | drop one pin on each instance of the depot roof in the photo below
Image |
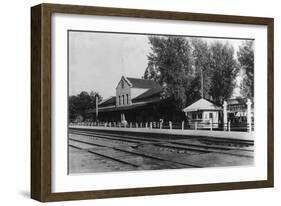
143	83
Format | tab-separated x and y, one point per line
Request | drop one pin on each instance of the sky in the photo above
98	60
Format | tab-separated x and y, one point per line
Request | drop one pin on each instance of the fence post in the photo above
170	125
225	115
146	125
249	127
211	128
249	115
195	125
161	125
150	125
182	125
228	126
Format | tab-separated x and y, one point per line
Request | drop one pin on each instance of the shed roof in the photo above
202	104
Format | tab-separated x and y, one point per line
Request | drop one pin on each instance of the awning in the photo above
122	108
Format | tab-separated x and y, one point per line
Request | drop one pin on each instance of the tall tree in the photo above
169	63
201	56
93	96
224	71
72	107
151	72
246	61
79	104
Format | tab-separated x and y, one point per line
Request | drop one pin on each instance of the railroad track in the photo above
212	140
135	142
148	153
169	164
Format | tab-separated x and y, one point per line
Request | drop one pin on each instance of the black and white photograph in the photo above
152	102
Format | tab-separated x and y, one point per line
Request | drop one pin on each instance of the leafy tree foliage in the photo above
201	57
151	72
224	71
179	64
169	63
246	60
79	104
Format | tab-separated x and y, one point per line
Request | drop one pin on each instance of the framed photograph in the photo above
130	102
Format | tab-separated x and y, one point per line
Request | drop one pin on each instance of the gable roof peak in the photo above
202	104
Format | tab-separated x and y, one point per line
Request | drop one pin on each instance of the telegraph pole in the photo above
202	83
97	107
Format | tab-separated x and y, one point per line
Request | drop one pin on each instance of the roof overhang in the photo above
123	107
201	109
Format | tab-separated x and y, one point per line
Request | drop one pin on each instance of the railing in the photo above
184	125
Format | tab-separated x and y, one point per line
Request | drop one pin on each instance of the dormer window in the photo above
122	84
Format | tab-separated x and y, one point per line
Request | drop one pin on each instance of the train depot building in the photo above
136	100
140	101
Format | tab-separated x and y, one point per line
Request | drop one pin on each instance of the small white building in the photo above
203	114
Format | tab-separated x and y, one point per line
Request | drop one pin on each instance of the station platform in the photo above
247	136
